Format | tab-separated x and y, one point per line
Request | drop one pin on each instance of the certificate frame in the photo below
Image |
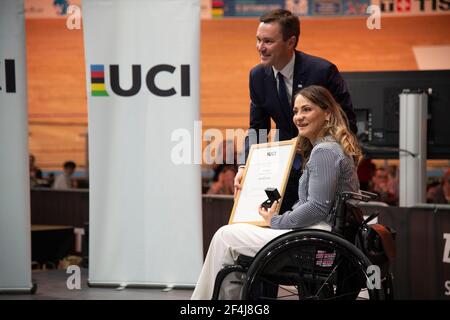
268	166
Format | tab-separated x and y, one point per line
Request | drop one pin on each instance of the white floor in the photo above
51	285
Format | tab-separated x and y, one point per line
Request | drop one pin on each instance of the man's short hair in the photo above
290	24
69	165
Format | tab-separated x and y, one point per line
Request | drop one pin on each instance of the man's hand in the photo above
237	181
268	214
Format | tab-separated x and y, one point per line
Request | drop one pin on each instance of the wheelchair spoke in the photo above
355	272
290	292
343	295
326	280
301	287
348	276
266	281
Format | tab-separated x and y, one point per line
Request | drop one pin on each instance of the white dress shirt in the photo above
288	74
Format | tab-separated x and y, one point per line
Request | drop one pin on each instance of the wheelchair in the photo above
310	264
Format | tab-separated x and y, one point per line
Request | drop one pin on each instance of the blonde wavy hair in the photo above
336	127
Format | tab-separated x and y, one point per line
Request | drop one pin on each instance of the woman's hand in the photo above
268	214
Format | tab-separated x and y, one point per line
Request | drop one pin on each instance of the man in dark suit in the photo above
282	72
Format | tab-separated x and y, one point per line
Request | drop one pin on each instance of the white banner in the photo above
15	251
142	60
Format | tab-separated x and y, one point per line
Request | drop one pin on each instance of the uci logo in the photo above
98	80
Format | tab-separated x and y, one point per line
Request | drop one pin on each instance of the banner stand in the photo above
142	74
15	221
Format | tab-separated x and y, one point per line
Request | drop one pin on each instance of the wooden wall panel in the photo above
56	80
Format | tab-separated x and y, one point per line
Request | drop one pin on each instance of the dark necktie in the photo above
287	109
282	94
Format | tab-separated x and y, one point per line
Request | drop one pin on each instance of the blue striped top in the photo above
328	172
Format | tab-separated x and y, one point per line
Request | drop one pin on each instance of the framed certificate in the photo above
268	166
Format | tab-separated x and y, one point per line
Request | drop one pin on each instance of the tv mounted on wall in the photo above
375	97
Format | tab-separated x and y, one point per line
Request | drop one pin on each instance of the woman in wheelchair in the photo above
331	154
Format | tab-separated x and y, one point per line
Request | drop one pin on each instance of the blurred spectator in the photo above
393	182
380	186
441	192
226	156
225	181
50	179
35	172
366	169
64	180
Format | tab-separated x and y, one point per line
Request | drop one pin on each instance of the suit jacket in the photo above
265	104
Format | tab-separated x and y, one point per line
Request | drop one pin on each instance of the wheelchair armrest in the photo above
372	195
348	195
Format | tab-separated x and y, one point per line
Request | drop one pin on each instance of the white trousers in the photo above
228	243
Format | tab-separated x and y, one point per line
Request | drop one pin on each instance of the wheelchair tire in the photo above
311	265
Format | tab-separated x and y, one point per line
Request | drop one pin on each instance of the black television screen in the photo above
375	97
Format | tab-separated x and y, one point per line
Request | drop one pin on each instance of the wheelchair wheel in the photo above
311	265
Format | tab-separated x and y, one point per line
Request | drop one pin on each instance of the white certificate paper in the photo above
268	166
